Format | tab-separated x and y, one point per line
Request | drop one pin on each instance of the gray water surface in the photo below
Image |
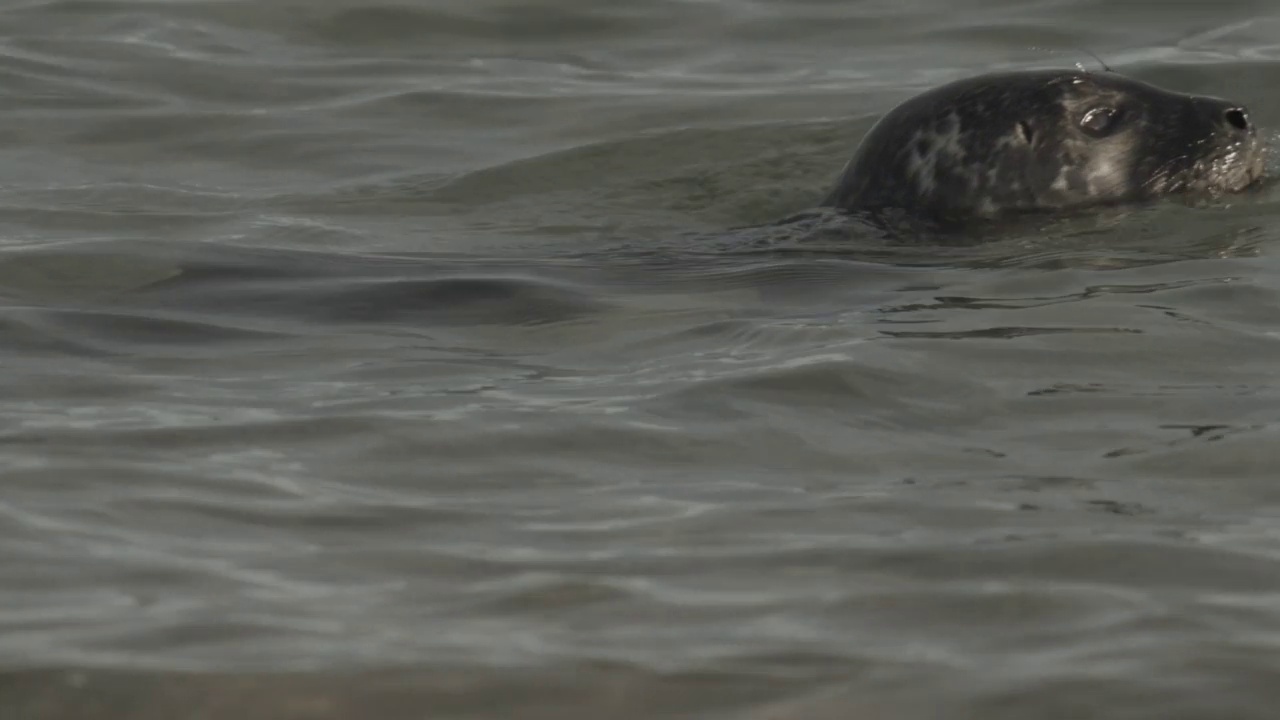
434	359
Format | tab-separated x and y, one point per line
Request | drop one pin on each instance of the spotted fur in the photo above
1015	142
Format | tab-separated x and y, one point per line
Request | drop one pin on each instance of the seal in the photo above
997	145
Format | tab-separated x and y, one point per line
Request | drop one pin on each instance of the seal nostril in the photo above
1237	118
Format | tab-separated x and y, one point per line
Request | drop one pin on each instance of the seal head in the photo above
1022	142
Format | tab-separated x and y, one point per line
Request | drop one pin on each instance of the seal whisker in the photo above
1092	54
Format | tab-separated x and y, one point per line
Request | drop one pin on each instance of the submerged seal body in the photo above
1001	144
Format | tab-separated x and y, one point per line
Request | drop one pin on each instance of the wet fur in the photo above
995	145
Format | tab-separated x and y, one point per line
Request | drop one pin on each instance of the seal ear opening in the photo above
1028	134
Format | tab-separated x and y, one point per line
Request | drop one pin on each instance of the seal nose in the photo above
1237	118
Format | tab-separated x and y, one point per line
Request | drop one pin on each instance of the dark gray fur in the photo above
1006	143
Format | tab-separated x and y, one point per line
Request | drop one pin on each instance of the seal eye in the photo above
1099	122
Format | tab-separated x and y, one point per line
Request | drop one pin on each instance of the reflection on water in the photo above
434	360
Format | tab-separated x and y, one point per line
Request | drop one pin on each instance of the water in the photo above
393	360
